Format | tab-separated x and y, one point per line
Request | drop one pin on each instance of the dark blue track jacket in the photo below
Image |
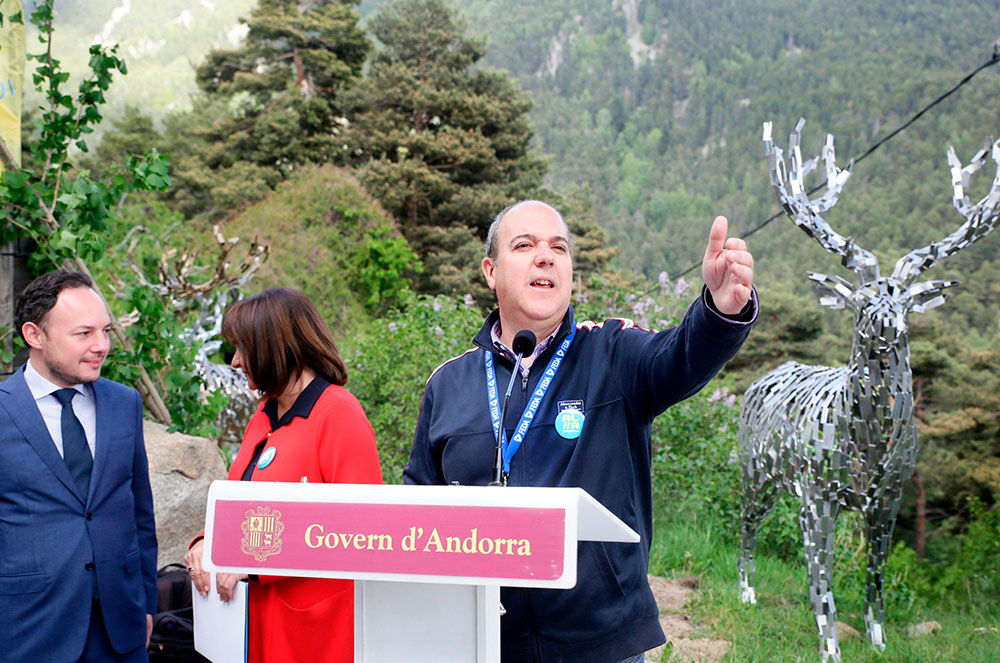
622	377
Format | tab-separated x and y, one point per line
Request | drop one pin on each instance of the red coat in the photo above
307	619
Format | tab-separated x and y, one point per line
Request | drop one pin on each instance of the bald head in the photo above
491	235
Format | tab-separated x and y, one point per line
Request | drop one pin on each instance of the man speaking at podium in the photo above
591	428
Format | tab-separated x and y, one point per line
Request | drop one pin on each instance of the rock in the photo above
181	467
846	631
923	628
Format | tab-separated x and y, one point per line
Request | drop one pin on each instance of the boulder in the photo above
181	467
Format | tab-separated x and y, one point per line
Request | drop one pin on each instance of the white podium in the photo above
428	561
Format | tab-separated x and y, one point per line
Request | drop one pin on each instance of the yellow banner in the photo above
12	49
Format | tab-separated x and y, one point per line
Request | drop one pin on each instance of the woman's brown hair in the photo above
278	333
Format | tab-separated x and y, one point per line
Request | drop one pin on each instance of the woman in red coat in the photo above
308	428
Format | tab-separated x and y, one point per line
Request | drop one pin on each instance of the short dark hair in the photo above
278	333
36	300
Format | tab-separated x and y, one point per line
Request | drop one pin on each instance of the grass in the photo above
780	628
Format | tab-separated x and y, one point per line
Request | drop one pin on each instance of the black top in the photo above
302	407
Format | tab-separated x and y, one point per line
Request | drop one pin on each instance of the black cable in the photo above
992	61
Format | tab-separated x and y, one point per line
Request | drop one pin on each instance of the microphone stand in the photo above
524	342
498	478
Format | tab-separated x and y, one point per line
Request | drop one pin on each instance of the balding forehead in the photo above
532	203
533	207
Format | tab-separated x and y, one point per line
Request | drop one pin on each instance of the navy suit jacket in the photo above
53	540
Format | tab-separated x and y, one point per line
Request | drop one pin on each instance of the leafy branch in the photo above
67	213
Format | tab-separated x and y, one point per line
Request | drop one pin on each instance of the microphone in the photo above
524	344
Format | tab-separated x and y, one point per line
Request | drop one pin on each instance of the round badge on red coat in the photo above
266	457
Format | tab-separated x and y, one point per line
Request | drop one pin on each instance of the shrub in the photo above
392	360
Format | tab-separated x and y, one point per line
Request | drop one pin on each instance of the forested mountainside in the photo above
655	109
160	40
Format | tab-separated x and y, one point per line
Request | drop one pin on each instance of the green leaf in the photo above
66	239
71	200
15	180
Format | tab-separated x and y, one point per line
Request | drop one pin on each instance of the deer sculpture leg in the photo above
879	522
818	518
759	496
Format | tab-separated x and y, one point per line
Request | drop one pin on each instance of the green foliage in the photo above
379	267
975	571
441	145
157	346
268	106
781	626
392	360
134	134
70	215
694	457
968	573
10	344
160	40
960	591
331	240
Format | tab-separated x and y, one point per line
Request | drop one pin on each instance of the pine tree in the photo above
268	106
442	146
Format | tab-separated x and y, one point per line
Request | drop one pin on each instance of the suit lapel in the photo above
23	411
102	433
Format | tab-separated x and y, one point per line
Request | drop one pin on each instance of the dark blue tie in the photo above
76	451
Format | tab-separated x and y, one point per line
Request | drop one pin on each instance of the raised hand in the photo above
727	269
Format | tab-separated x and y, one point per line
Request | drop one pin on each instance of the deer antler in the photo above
789	184
179	273
980	218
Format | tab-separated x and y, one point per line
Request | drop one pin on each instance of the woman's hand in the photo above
199	575
226	584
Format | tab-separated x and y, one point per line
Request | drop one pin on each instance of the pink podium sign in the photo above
459	541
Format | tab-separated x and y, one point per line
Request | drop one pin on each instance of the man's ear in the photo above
489	269
32	335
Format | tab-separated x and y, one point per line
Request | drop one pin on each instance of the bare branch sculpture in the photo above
183	286
845	437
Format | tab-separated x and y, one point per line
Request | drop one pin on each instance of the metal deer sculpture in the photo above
844	438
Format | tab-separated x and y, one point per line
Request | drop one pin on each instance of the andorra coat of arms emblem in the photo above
262	529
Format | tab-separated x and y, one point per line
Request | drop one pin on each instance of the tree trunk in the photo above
921	523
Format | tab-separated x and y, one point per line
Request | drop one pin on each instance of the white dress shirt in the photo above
84	407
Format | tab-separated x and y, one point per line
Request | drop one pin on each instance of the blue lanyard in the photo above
509	449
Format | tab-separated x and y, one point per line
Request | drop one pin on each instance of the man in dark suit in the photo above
77	535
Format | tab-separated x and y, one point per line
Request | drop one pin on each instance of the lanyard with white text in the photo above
509	449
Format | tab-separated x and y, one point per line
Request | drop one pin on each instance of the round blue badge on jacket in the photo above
569	424
266	457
